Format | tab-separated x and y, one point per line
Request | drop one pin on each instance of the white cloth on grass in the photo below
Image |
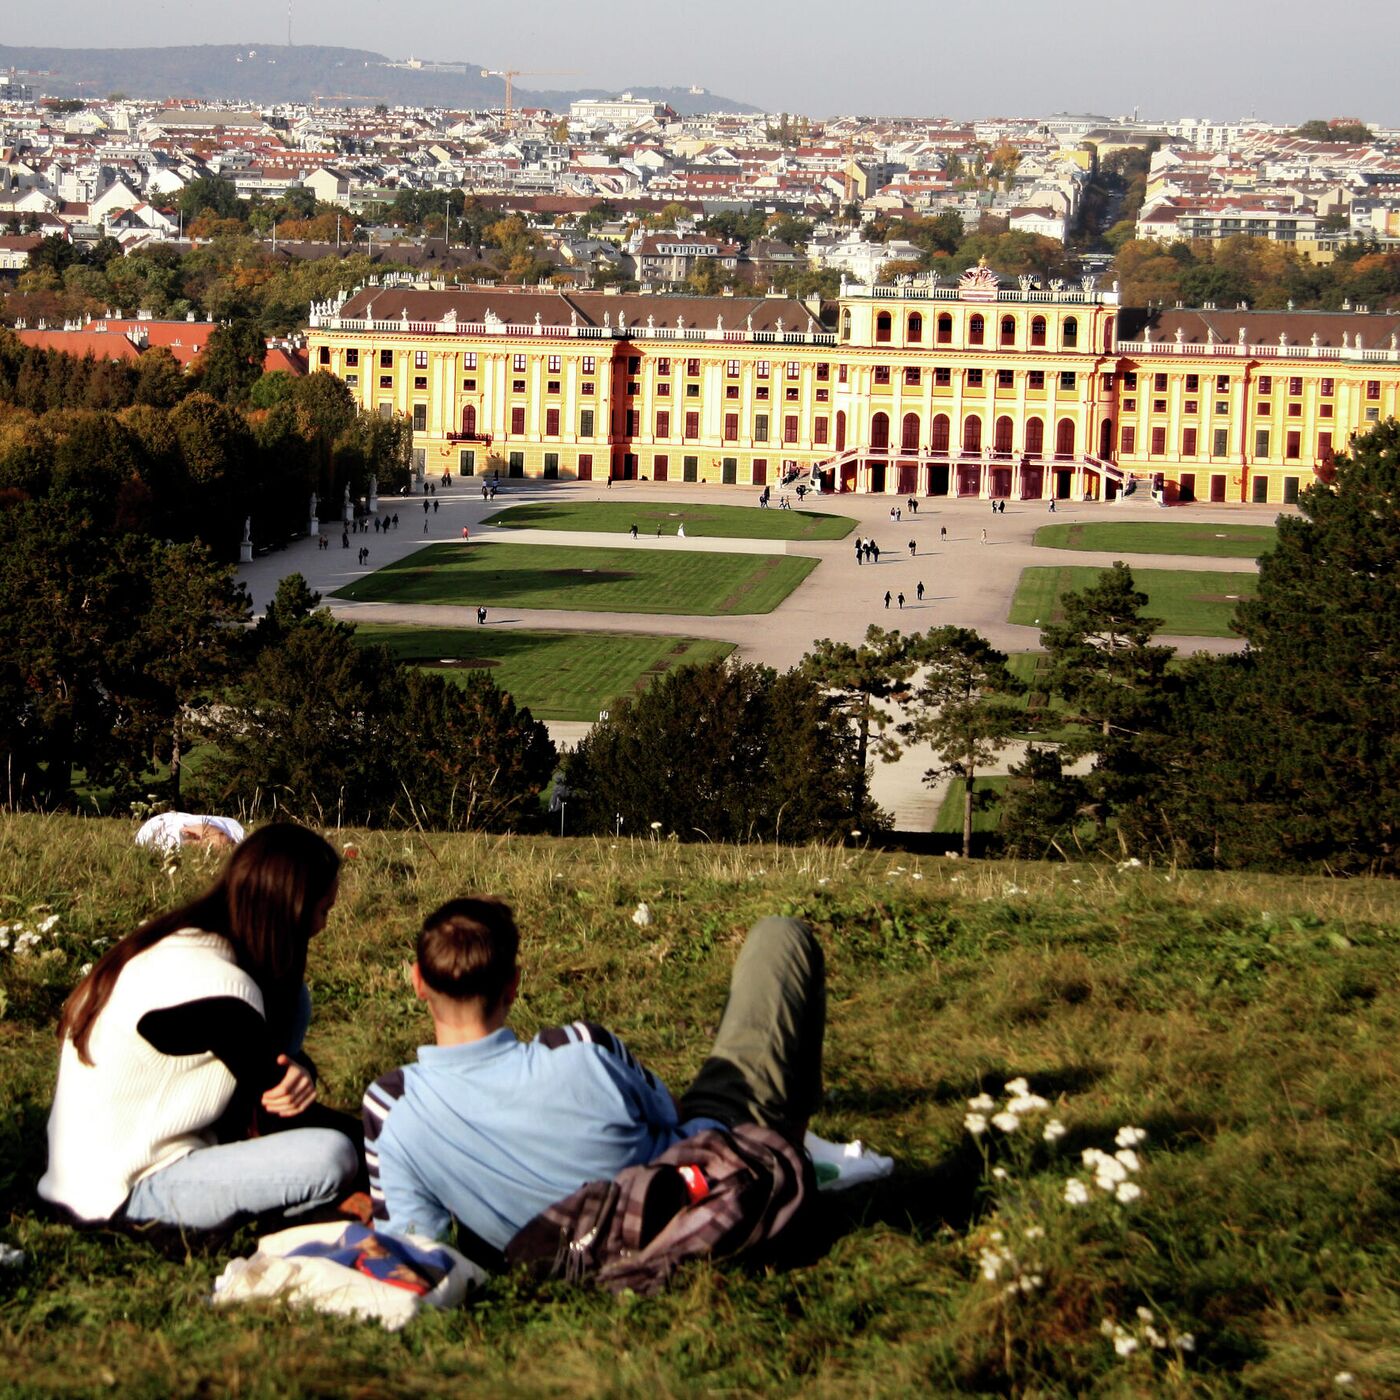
282	1269
163	831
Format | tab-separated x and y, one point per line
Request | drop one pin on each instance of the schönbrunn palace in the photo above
986	388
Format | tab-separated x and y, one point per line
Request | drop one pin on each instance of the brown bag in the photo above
717	1194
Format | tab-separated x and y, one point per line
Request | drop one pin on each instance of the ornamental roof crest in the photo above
979	281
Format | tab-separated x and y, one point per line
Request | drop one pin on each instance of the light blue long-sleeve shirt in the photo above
493	1131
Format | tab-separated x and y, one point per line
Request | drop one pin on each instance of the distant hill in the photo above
299	73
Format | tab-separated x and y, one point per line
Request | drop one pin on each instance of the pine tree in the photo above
1324	633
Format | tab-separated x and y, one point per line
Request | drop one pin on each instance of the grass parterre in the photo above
585	579
1244	1024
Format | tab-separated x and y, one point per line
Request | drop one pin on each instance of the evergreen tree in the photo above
963	708
862	680
1324	634
723	751
1115	687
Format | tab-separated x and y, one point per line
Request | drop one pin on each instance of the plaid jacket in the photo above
715	1194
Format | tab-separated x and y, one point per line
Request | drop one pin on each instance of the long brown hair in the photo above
263	902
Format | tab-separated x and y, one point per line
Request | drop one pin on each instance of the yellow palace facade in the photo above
981	388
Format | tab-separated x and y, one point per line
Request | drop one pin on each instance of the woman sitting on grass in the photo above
178	1046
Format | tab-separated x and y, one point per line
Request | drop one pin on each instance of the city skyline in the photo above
1008	57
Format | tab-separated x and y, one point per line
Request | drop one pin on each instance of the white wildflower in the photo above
1076	1193
1129	1159
1107	1327
46	924
641	916
1027	1103
25	942
1184	1341
1129	1137
916	876
993	1261
84	969
1344	1378
1132	863
1154	1338
1125	1345
983	1103
999	1173
822	880
976	1123
1009	890
1034	1232
1054	1130
1006	1122
1016	1086
1128	1192
1145	1314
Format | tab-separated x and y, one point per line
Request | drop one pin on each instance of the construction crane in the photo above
511	74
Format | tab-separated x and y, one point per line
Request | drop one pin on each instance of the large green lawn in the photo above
1245	1023
949	820
558	675
715	521
585	580
1191	603
1161	537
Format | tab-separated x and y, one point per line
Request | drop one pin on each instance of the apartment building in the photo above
978	388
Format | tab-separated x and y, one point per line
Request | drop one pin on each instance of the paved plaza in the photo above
966	582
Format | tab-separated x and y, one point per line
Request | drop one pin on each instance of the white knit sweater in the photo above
134	1110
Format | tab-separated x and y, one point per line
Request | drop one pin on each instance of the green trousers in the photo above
766	1064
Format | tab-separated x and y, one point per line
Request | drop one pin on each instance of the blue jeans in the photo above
289	1172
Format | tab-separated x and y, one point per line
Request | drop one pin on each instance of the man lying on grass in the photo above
489	1130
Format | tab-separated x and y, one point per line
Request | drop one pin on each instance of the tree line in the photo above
143	448
1287	754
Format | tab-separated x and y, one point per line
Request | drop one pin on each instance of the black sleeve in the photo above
225	1027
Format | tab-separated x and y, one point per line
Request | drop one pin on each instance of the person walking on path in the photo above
345	539
634	532
887	600
913	548
919	590
900	600
481	617
1052	505
875	551
860	550
943	534
913	506
984	537
436	503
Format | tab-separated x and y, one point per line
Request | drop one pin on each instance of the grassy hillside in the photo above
1247	1024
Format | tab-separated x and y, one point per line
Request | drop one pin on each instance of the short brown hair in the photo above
467	949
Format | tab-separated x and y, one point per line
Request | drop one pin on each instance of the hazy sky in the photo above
1283	60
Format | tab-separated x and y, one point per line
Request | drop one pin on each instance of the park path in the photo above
967	582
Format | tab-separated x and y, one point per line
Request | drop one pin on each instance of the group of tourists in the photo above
185	1095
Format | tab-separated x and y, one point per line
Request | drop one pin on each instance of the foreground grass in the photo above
1190	602
1247	1023
1160	537
558	675
585	579
700	519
